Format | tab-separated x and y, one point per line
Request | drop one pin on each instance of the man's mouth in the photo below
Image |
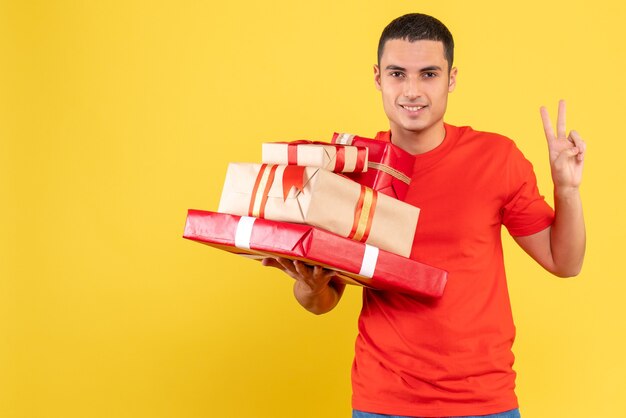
414	108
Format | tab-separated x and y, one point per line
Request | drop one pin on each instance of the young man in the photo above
452	357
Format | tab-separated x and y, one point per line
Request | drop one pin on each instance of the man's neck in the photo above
418	142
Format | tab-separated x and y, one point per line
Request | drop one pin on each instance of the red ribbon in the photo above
266	189
361	159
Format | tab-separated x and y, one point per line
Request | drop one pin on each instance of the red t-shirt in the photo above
452	356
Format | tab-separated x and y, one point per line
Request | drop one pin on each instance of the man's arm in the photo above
560	248
313	287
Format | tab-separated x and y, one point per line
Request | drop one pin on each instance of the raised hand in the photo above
567	152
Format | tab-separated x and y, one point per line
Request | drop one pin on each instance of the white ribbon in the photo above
344	139
370	258
244	232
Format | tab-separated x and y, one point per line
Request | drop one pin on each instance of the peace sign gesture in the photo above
566	152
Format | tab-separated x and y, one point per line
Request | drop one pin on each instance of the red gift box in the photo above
389	167
355	262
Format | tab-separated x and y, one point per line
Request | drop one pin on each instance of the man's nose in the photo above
411	88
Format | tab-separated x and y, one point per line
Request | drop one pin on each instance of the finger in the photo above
578	143
571	152
547	124
560	121
575	137
271	262
288	266
302	268
322	273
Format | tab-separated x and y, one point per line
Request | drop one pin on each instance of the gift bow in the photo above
293	176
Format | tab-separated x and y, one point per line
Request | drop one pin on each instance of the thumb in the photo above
571	152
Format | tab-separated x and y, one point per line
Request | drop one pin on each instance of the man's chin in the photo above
414	127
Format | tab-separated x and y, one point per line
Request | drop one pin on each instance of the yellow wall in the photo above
117	116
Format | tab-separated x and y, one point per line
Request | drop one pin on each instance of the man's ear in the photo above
377	76
452	80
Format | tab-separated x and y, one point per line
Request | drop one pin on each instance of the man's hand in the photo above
560	248
313	288
567	152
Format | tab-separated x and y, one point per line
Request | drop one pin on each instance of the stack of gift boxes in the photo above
338	205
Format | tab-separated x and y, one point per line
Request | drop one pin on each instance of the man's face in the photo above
414	81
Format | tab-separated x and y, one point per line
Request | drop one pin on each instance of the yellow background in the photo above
117	116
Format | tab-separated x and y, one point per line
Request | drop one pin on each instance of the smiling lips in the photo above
413	108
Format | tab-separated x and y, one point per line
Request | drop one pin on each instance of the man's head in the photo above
415	75
415	27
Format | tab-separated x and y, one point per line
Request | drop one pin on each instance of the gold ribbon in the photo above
390	170
364	214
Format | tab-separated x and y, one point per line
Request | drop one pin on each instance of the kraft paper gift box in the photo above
355	262
320	198
332	157
389	167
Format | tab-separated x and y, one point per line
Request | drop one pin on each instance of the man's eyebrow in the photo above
398	68
395	67
431	68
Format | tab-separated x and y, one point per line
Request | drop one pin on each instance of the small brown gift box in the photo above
332	157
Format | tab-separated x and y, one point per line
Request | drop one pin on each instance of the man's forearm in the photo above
568	236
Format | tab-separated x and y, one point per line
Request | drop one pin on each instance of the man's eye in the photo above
429	74
396	74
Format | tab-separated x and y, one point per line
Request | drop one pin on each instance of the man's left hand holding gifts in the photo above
313	288
319	227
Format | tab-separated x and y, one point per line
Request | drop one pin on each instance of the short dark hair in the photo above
417	27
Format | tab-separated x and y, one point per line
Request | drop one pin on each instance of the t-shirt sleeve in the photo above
525	212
